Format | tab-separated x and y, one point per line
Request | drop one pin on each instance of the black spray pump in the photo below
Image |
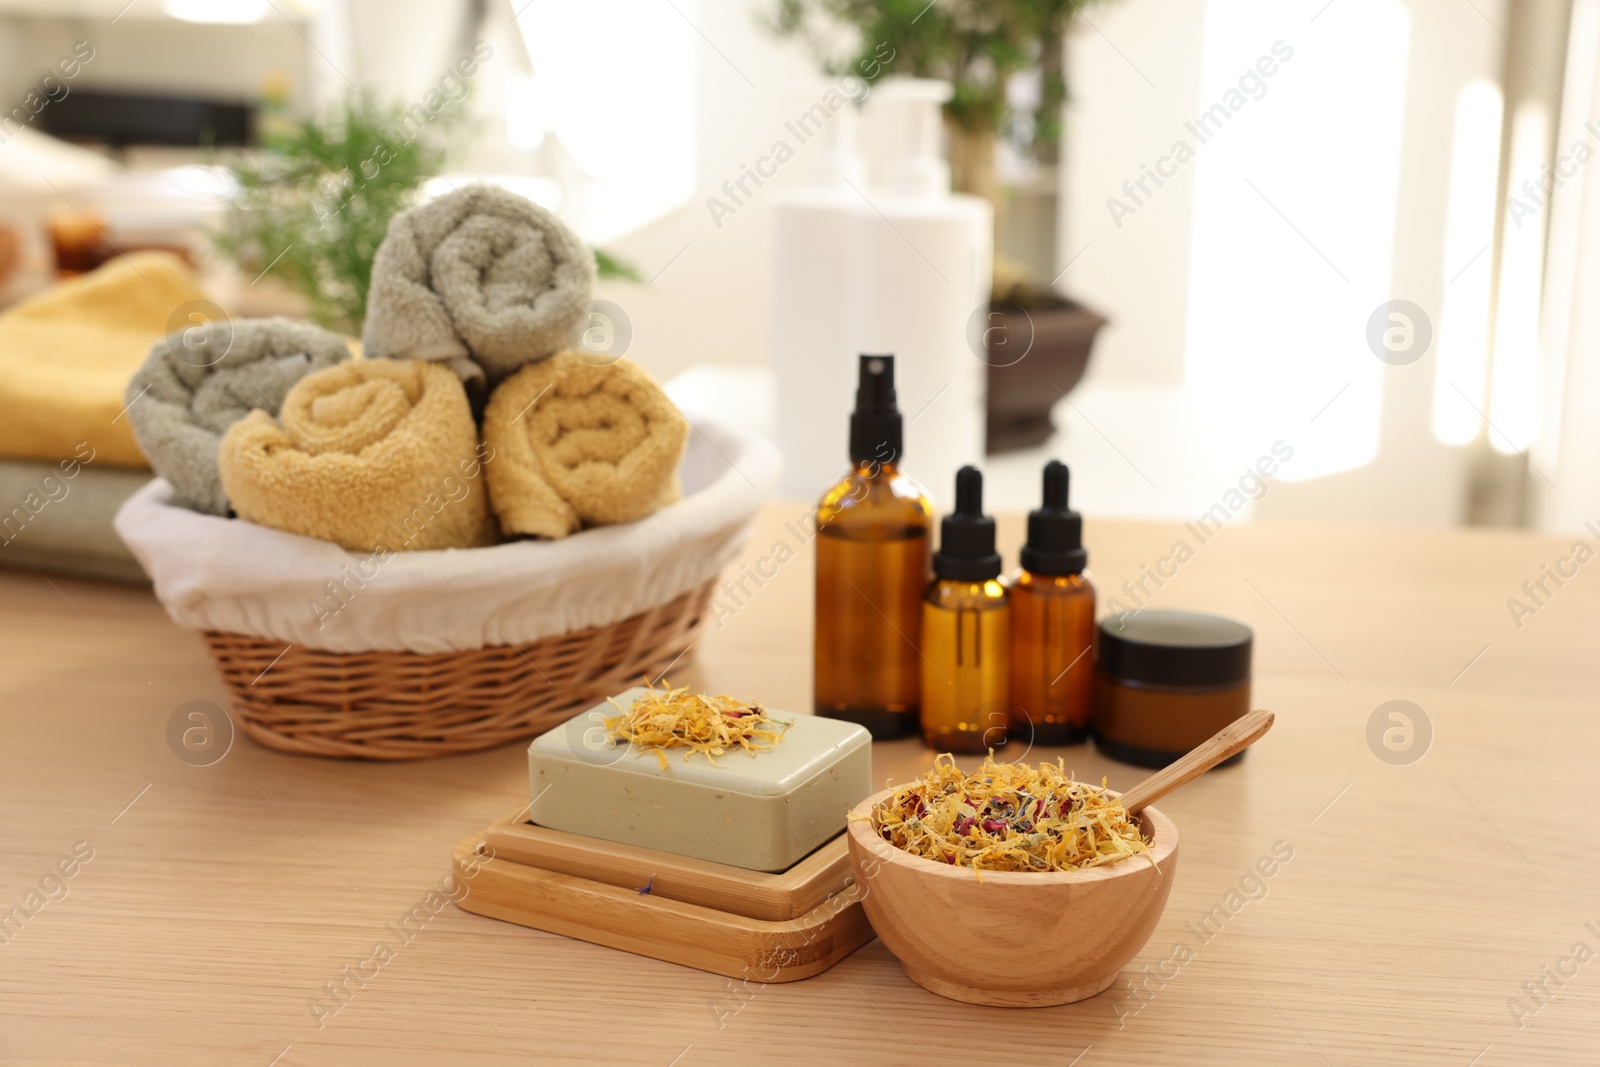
1055	531
966	537
876	429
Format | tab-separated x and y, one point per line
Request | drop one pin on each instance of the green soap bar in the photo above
762	812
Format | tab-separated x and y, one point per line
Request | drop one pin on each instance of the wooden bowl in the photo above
1017	939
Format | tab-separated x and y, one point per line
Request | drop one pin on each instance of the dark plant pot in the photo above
1038	349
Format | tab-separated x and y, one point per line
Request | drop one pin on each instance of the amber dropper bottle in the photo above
966	631
1052	622
874	536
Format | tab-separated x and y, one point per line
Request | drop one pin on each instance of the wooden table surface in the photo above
1425	902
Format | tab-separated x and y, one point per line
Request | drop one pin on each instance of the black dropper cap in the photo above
1055	531
966	537
876	429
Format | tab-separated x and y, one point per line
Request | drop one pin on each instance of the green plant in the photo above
313	207
976	45
610	266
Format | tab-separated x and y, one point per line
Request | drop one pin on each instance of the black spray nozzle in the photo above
1055	531
966	536
875	387
876	429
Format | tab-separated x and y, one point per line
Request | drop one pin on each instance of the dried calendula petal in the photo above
1008	817
709	725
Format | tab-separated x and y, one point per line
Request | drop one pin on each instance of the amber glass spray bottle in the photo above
1052	622
874	532
966	631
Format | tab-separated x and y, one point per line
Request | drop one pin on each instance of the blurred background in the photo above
1359	237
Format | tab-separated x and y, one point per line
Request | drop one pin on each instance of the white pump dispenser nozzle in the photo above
837	164
921	171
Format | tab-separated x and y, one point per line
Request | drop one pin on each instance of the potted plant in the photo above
313	207
980	47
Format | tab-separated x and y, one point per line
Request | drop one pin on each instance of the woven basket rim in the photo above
212	573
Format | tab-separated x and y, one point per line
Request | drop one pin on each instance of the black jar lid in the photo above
1174	648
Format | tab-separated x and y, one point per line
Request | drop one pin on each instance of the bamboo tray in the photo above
511	885
789	894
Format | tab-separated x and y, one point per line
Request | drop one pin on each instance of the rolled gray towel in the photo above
479	278
195	384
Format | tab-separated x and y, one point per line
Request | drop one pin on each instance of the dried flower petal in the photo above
709	725
937	818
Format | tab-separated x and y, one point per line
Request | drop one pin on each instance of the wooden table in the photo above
1419	900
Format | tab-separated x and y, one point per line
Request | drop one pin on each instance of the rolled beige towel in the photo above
377	456
579	443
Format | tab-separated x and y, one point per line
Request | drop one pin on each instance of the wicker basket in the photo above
451	651
409	705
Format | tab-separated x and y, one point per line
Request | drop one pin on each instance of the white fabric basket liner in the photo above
212	573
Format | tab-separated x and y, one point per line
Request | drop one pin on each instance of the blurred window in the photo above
1295	225
613	84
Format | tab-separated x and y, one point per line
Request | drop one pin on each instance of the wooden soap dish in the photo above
788	894
744	924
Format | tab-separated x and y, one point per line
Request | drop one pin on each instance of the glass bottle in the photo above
1052	612
874	537
966	632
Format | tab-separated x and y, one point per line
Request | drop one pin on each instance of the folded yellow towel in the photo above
66	356
575	443
377	456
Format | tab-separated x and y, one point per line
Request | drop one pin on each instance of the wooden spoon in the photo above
1231	740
